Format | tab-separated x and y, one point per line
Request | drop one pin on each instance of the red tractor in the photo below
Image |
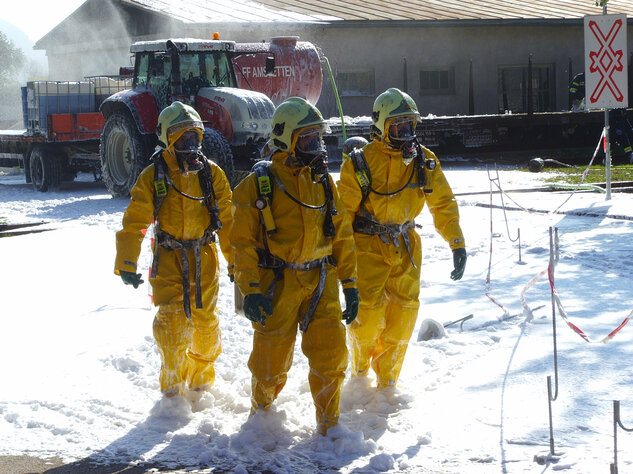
234	88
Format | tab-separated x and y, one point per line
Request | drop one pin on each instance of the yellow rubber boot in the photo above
172	331
324	346
205	348
394	341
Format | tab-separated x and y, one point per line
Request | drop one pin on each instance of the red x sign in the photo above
605	62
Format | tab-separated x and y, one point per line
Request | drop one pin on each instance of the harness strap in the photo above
365	224
314	299
169	242
162	182
363	173
154	270
271	262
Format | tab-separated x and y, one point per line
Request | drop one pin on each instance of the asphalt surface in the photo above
32	465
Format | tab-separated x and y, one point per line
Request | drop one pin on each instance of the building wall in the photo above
96	39
386	50
99	44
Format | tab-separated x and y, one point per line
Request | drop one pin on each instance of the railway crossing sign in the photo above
606	82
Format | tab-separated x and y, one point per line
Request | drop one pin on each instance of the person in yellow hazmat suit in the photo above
188	198
292	243
385	185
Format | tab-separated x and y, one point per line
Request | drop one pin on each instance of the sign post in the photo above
606	82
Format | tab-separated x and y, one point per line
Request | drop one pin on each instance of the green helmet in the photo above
174	120
390	104
292	115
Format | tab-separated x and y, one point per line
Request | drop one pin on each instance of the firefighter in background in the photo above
293	243
619	122
577	92
385	186
621	130
189	200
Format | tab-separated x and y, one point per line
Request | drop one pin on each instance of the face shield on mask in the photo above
188	152
401	135
310	150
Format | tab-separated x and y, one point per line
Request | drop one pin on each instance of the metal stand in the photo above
607	145
553	258
497	182
616	422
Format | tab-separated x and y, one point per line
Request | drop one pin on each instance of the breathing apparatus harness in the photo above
365	222
265	179
162	182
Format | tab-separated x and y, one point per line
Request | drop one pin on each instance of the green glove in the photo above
256	308
351	304
131	278
459	262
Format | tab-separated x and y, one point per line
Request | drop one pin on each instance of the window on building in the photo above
513	88
355	82
437	81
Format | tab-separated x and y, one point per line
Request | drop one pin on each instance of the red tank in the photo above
297	69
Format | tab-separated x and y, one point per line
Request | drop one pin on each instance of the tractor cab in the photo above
190	64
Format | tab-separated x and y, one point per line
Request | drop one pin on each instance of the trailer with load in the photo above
83	126
566	136
62	126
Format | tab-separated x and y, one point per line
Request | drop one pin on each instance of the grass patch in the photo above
596	174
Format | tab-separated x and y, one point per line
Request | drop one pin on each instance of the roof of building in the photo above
203	11
364	13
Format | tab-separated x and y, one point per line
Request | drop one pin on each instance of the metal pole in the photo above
549	408
530	102
607	153
607	148
471	91
616	417
553	257
504	92
569	78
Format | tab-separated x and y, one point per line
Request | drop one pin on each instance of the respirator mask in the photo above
401	135
310	151
189	152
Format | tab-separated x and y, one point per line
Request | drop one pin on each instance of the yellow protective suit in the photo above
299	238
188	347
389	285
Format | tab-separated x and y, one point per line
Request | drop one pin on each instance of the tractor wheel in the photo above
45	169
216	148
123	154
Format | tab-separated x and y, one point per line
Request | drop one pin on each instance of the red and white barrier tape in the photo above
526	309
575	328
497	183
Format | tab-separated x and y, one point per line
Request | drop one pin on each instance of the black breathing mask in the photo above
310	151
401	135
189	152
